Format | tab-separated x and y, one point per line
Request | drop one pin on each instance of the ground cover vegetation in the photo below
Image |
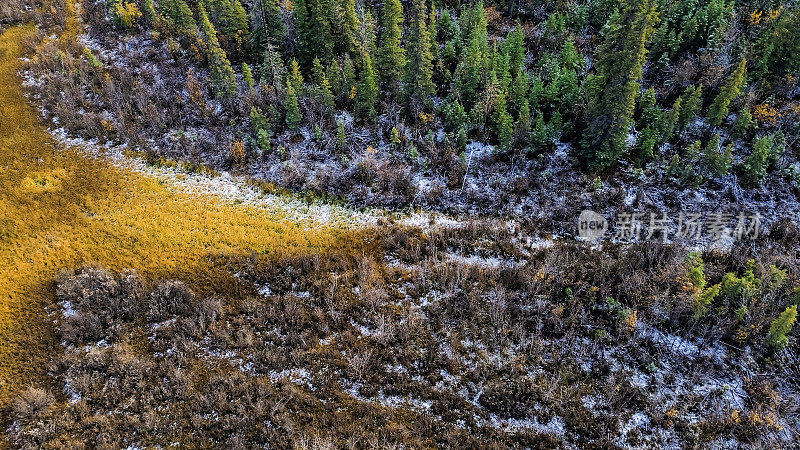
60	209
430	341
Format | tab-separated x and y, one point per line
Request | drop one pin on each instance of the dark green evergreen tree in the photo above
293	117
296	77
613	89
419	69
502	122
472	71
231	22
350	27
367	91
247	77
690	102
348	80
267	26
777	48
178	17
222	75
515	48
273	70
391	54
314	33
718	110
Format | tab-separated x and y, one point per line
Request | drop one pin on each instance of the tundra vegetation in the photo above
136	316
419	344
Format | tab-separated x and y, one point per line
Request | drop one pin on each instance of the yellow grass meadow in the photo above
60	209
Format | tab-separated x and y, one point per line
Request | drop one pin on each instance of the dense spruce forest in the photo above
502	107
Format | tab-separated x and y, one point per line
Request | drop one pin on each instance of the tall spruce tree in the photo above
247	77
448	29
317	71
472	71
349	88
231	22
778	47
432	32
315	36
515	47
178	17
326	95
267	26
391	54
689	105
334	75
222	75
367	90
613	90
519	91
718	110
296	77
273	70
350	27
503	122
293	117
419	69
778	336
366	36
323	87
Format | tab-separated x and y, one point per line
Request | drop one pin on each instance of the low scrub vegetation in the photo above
452	337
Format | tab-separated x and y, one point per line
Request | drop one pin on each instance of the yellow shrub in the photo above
195	90
630	320
766	114
127	13
237	151
425	118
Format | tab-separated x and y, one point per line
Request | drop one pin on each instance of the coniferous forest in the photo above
399	223
455	106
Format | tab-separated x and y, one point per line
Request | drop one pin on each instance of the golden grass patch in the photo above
60	209
40	182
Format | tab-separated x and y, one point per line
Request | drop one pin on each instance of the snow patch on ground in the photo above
674	344
491	262
67	309
297	376
236	190
555	426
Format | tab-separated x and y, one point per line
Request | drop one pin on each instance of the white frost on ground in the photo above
236	190
638	421
73	396
66	309
297	376
365	331
555	426
263	289
491	262
394	401
670	342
